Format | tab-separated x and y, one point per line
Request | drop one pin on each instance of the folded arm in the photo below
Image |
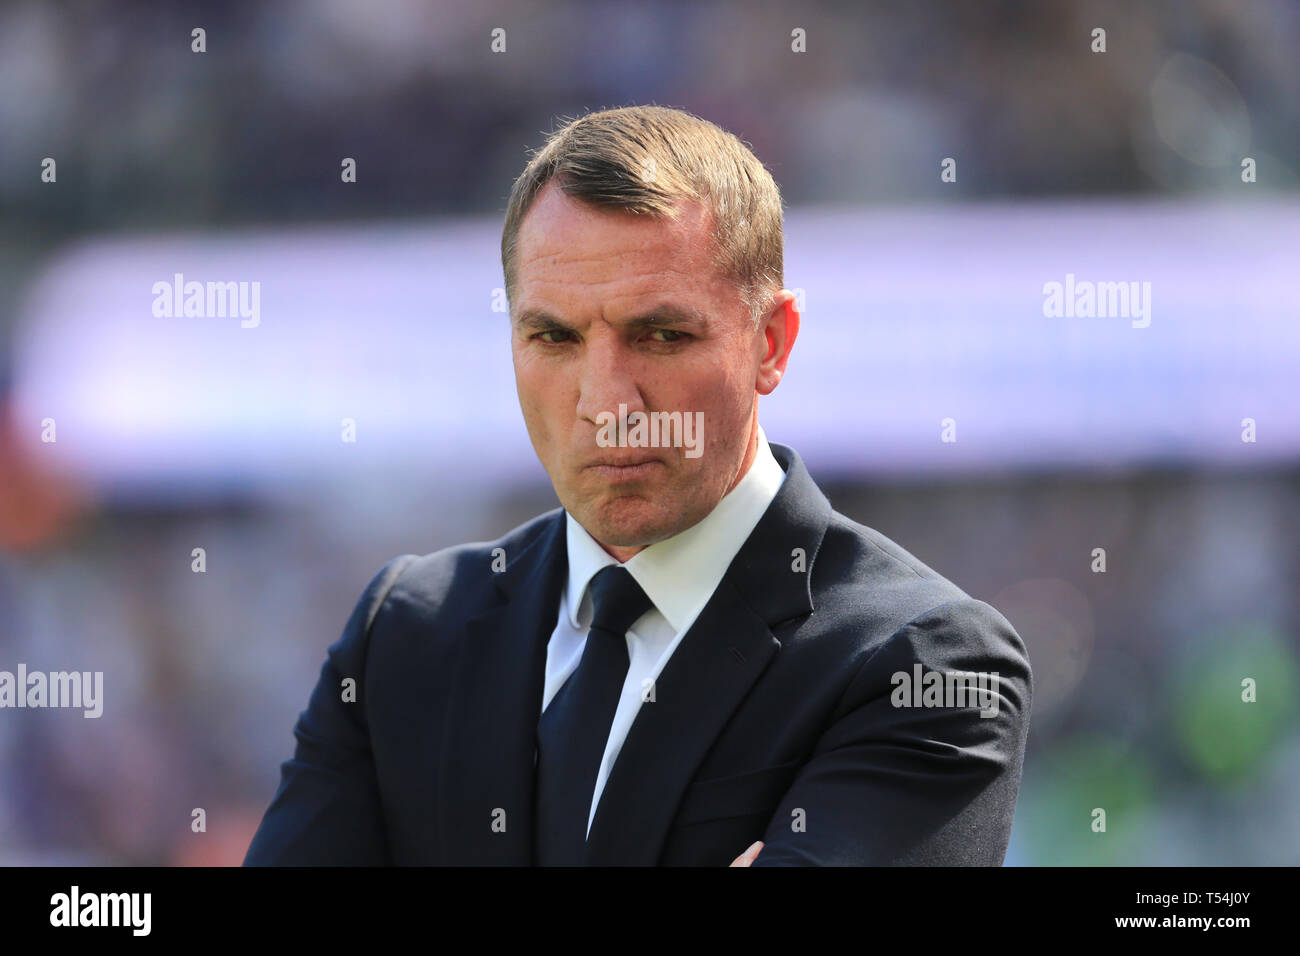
915	785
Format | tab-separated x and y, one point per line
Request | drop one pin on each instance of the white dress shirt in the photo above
678	574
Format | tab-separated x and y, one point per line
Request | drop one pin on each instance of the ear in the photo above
775	338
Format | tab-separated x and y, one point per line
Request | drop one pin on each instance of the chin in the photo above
631	528
626	534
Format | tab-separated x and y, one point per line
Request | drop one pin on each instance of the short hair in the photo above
648	160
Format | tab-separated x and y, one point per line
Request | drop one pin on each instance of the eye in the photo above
677	336
550	332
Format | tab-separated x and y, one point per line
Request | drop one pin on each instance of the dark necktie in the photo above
574	728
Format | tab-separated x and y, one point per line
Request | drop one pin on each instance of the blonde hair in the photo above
648	160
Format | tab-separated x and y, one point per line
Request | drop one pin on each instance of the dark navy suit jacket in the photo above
776	718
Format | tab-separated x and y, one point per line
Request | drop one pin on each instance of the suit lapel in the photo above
712	669
486	778
714	666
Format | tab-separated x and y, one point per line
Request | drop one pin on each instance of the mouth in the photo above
632	470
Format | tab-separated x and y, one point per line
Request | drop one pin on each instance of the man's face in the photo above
616	309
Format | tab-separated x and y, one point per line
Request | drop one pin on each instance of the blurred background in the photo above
1171	442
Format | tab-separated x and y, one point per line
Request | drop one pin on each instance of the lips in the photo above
625	462
624	471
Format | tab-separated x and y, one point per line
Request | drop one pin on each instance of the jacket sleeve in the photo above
891	783
327	809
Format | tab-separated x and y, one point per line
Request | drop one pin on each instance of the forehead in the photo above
567	242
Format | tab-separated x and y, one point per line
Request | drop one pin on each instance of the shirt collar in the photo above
680	573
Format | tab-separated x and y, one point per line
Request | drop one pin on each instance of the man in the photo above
696	661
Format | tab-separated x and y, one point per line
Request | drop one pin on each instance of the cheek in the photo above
536	417
529	388
723	394
543	408
529	383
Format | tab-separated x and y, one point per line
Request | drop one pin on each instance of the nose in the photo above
607	378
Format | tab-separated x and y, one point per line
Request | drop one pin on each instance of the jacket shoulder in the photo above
460	580
872	585
859	562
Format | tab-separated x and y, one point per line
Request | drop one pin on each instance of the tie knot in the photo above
618	600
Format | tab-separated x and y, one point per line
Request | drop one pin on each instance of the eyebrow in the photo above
665	315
